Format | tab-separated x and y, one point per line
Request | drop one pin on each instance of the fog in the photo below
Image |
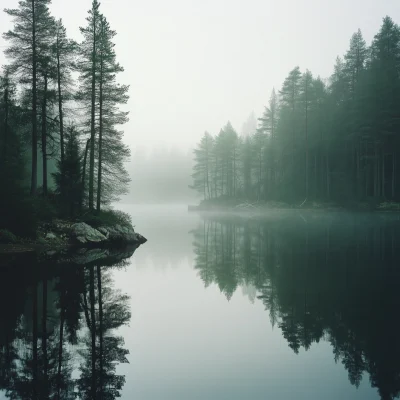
192	66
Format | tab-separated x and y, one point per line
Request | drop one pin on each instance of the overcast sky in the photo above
194	65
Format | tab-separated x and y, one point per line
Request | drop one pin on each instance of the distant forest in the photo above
60	116
162	175
334	140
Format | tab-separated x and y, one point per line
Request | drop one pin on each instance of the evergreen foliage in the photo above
37	89
335	140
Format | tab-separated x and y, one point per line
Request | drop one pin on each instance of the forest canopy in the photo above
60	116
329	140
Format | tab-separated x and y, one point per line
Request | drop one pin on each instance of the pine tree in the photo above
88	68
202	166
112	176
268	126
65	51
32	22
68	177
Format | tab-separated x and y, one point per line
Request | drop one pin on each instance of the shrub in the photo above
107	218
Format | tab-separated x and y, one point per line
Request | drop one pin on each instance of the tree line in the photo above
60	103
334	139
319	280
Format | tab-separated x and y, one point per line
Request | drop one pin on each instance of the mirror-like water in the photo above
291	305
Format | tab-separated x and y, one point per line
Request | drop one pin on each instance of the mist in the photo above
192	66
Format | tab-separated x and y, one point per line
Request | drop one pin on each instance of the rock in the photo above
104	231
140	239
51	236
85	234
119	233
122	234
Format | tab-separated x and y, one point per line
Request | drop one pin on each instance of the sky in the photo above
194	65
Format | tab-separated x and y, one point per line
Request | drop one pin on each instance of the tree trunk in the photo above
34	104
306	90
98	205
92	119
84	171
44	137
60	113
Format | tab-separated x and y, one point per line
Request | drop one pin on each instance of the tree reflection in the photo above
320	278
103	351
56	317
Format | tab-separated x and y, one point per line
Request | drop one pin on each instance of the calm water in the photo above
291	305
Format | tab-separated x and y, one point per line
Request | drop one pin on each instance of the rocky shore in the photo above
77	241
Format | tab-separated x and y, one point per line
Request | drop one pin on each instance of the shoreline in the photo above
244	207
61	237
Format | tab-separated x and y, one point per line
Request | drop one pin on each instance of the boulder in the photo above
122	234
85	234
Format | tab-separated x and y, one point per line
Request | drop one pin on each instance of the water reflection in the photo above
55	317
321	277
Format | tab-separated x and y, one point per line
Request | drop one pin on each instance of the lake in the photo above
286	305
